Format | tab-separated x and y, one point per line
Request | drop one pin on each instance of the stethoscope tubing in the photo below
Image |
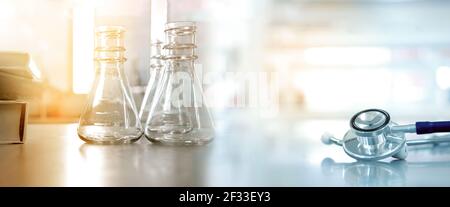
423	127
428	127
434	140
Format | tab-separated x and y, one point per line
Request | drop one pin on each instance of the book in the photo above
20	64
13	131
19	76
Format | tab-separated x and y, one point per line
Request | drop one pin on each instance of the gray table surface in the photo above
244	153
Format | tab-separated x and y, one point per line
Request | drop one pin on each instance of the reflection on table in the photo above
276	152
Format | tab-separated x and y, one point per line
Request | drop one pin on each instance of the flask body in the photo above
110	115
179	114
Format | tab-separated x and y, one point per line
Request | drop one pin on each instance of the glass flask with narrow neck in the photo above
178	113
110	115
156	67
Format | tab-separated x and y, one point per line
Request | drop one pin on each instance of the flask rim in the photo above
175	46
110	59
180	57
180	25
110	49
110	29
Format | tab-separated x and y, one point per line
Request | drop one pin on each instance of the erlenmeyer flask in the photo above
156	65
110	115
178	114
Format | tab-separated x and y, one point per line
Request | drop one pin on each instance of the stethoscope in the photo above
373	136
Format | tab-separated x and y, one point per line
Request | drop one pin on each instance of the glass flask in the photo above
156	65
178	113
110	115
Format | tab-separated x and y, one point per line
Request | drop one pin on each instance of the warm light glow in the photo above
83	48
347	56
443	77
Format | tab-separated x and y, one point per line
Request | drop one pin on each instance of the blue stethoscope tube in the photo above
428	127
423	127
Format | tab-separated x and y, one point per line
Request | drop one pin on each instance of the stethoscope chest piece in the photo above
358	148
370	138
373	136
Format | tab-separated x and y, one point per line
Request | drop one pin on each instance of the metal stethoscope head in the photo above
373	136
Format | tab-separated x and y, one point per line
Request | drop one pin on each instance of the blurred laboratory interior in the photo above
325	58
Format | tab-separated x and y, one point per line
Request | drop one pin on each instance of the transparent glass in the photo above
110	115
156	67
180	33
178	113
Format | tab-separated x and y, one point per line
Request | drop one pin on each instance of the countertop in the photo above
244	153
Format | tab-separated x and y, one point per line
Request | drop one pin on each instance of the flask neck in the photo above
156	63
156	68
109	66
180	65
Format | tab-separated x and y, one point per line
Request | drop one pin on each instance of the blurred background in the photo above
323	58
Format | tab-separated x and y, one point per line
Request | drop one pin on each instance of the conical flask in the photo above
156	67
178	113
110	115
